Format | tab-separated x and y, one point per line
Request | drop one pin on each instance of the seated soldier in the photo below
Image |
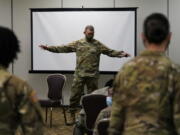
106	112
80	126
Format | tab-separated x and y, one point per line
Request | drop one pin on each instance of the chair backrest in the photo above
93	104
56	83
102	127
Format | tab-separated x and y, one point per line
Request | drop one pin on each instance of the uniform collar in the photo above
152	53
88	41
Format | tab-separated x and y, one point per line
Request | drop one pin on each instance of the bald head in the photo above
90	27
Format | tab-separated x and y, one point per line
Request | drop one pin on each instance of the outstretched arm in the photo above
124	54
71	47
112	53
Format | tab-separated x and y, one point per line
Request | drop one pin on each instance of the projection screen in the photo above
114	27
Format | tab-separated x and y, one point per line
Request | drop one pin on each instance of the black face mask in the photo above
89	37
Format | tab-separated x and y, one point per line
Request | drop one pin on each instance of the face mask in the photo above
109	101
89	37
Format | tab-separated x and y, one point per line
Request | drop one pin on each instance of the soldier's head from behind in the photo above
109	84
89	32
156	31
9	46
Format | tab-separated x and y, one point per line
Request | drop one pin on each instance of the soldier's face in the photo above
89	33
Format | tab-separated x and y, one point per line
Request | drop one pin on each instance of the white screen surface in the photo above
115	29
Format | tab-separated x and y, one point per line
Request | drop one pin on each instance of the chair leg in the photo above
46	114
64	112
51	117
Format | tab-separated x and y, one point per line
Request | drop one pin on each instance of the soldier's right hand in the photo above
45	47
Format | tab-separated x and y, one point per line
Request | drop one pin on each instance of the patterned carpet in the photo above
58	124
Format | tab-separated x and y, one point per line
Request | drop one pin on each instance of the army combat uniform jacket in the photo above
87	55
146	93
103	115
18	107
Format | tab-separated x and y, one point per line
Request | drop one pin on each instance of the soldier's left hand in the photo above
126	54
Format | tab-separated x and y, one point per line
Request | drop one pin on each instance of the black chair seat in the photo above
50	103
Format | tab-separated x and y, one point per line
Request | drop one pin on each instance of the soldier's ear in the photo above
169	36
144	39
85	32
143	36
168	39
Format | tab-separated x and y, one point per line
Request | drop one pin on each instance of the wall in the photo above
16	14
5	15
175	27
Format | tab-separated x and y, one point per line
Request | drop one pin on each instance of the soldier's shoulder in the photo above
81	40
168	63
16	80
96	41
9	79
130	63
128	67
22	87
166	60
125	68
19	84
176	67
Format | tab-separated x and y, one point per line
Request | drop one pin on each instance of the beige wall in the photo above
21	26
174	17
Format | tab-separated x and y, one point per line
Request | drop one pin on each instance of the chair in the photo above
56	84
92	104
102	126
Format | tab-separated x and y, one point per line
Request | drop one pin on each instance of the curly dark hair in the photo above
9	46
156	28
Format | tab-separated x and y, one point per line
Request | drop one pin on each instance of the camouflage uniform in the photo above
18	106
144	96
87	64
80	121
104	114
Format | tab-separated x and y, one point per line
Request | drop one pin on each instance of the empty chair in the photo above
92	104
56	84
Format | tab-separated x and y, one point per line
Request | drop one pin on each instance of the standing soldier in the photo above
88	51
146	88
18	103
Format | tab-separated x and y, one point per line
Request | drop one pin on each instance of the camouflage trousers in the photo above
77	89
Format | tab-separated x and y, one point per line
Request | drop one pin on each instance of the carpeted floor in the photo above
58	124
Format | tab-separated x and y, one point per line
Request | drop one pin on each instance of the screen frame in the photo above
78	9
